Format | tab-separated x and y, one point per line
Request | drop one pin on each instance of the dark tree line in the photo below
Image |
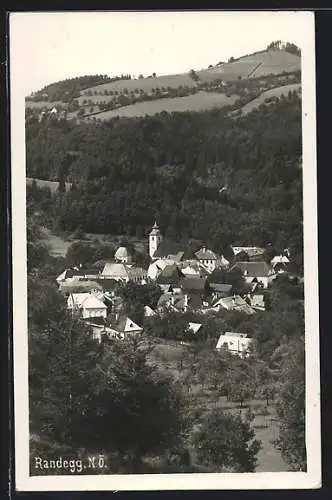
172	167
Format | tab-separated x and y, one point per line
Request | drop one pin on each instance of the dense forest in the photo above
201	175
72	87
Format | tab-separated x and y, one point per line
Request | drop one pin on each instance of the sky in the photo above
48	47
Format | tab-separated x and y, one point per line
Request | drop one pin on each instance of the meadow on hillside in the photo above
196	102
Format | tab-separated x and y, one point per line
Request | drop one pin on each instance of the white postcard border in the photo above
247	481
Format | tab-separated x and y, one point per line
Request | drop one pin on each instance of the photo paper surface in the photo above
164	250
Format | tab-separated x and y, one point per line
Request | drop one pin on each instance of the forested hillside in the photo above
201	175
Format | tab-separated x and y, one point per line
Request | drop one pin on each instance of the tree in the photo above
63	361
240	380
193	75
140	411
225	443
80	253
291	407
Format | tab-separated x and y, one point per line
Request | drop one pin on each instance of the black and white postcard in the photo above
164	250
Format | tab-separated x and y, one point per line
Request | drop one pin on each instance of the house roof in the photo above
148	311
279	259
255	269
168	248
234	335
70	273
235	303
194	283
136	272
88	301
205	254
115	269
221	287
119	270
194	327
193	268
79	286
250	251
170	275
126	325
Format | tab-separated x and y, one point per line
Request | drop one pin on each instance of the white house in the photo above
124	327
236	343
87	304
207	259
279	263
256	272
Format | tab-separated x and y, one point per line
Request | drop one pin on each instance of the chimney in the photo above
116	316
204	249
185	303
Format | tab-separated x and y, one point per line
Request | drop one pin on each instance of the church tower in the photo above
155	238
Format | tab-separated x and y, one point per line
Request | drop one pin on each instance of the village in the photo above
187	282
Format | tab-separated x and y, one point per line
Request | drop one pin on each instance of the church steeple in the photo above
155	238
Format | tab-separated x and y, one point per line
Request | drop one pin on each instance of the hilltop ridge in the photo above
100	97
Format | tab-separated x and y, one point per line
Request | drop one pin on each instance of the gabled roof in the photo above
115	269
87	301
194	327
280	259
234	303
205	254
250	251
70	273
232	335
148	311
136	272
170	275
119	270
254	269
168	248
193	283
126	325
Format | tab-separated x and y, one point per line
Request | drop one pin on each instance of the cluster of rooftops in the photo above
185	279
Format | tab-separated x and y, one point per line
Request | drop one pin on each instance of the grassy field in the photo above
170	356
59	244
253	66
276	92
196	102
144	83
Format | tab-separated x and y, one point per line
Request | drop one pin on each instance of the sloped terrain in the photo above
276	92
196	102
253	66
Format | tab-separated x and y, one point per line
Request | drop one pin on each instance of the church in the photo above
161	249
